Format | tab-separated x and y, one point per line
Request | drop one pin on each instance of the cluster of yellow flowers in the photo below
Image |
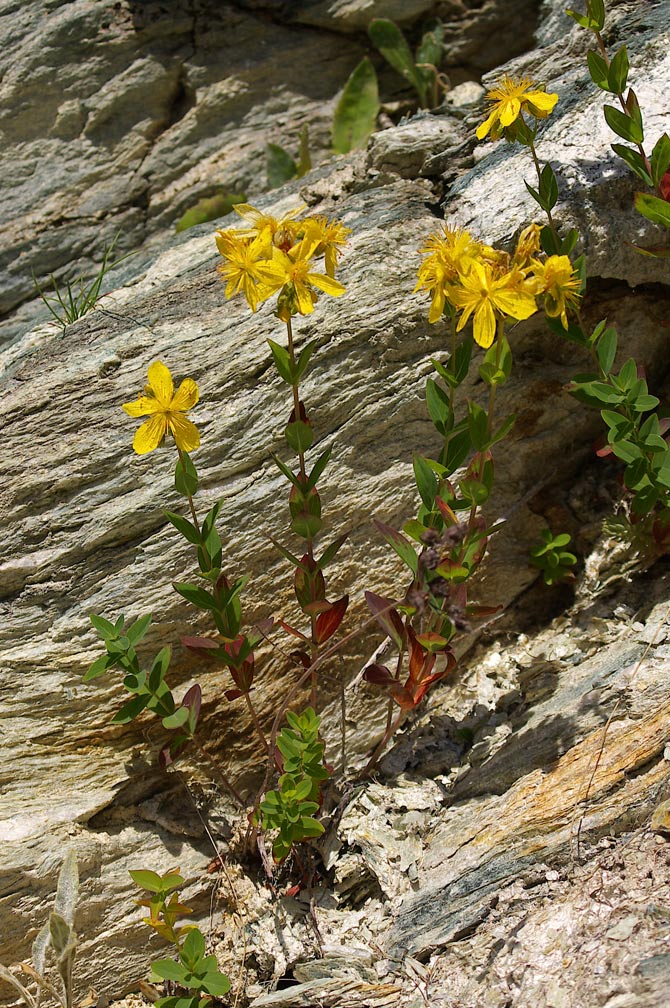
490	285
277	254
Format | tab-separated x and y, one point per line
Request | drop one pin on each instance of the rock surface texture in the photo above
504	857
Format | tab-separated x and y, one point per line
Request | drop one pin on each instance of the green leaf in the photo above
146	879
402	546
606	349
290	476
319	467
504	429
548	240
130	710
392	44
426	481
478	426
660	158
623	125
215	983
185	476
618	72
184	527
635	162
356	112
209	209
282	360
548	186
330	552
168	969
300	435
99	667
176	720
456	450
654	209
279	166
598	70
431	47
439	409
105	629
569	241
594	17
196	596
193	948
304	359
627	375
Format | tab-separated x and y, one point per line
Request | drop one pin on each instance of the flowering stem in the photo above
538	172
626	111
257	724
188	496
309	542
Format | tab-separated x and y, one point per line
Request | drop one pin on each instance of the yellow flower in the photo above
166	409
240	270
508	99
560	285
527	246
448	255
292	271
489	298
330	235
278	231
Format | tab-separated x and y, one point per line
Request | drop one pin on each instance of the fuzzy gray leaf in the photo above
67	889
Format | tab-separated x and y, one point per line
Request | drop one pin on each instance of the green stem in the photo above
257	724
314	649
189	497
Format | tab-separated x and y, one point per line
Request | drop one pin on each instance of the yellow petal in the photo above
150	435
518	304
509	111
304	298
483	130
484	325
186	396
160	381
144	406
542	102
184	432
326	284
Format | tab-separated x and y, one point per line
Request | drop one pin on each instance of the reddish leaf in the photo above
328	622
446	512
201	644
665	187
233	694
379	675
291	630
388	618
432	641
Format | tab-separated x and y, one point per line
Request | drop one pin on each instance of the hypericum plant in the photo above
421	70
57	935
635	432
552	559
194	976
290	809
611	76
79	297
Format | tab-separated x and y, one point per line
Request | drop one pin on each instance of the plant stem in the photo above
189	497
390	731
314	649
257	724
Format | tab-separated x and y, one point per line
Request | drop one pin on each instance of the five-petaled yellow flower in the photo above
166	409
447	255
488	298
508	99
560	285
294	270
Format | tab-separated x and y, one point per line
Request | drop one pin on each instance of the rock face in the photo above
84	529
